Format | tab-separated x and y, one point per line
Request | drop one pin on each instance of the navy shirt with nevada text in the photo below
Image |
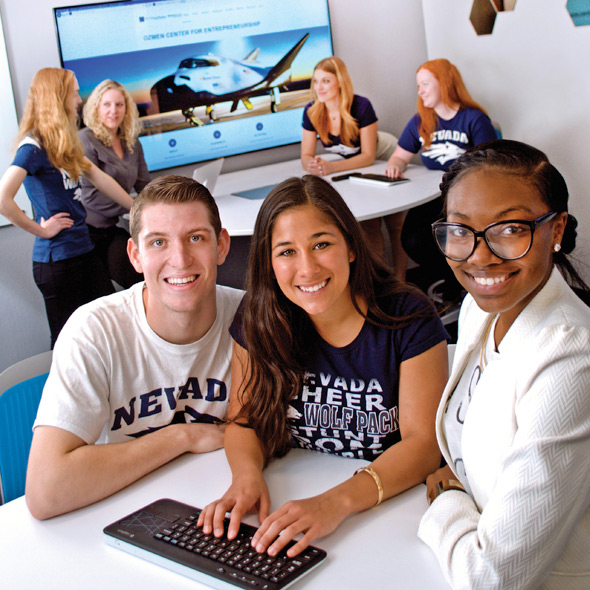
349	404
468	128
52	191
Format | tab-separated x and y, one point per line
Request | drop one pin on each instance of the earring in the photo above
556	247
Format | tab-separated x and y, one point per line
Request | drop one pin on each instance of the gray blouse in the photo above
130	172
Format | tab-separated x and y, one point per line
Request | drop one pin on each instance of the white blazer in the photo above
526	452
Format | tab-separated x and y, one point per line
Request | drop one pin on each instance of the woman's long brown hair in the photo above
273	327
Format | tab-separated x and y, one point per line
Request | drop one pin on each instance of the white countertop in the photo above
375	549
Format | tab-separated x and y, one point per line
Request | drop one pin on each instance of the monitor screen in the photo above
211	78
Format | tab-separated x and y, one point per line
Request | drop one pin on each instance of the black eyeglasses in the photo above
508	240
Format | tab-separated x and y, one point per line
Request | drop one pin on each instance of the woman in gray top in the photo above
110	142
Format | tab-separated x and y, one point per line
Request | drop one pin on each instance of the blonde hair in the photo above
47	119
318	112
452	92
130	127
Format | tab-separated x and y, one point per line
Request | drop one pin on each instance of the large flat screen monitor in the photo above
211	78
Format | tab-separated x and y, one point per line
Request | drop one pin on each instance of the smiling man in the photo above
142	376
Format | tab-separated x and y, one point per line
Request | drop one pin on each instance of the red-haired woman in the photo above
448	123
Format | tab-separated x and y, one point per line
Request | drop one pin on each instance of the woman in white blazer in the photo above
511	509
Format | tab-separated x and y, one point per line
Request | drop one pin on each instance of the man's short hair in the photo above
172	189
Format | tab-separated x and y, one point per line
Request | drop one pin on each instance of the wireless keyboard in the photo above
165	532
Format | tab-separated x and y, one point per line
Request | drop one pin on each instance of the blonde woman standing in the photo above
110	141
49	161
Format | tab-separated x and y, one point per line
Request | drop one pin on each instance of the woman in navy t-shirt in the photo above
331	354
345	122
448	123
49	161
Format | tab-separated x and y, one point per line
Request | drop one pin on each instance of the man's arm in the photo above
65	473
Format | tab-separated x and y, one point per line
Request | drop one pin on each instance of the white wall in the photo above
532	75
382	42
8	124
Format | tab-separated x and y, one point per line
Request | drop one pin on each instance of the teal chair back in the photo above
18	408
497	129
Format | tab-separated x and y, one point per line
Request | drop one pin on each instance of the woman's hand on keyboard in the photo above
248	491
314	517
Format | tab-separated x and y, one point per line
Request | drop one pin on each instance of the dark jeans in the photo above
111	247
68	284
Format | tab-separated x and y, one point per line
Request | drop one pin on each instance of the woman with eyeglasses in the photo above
511	509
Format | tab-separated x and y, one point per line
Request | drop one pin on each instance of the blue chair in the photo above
25	369
18	408
498	129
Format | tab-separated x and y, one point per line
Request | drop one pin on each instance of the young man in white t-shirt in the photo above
144	372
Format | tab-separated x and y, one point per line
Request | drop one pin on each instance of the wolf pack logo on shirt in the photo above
70	183
343	150
443	152
346	417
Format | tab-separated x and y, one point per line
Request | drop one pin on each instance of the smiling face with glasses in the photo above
499	238
508	240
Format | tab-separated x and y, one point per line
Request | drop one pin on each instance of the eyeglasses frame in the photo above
533	225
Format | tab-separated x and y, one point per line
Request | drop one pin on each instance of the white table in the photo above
238	214
375	549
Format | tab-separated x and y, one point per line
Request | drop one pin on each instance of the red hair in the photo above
452	92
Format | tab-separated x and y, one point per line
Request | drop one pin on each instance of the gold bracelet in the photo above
377	480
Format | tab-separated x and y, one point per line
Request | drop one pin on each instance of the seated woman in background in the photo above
514	421
50	162
110	142
325	324
346	124
448	122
